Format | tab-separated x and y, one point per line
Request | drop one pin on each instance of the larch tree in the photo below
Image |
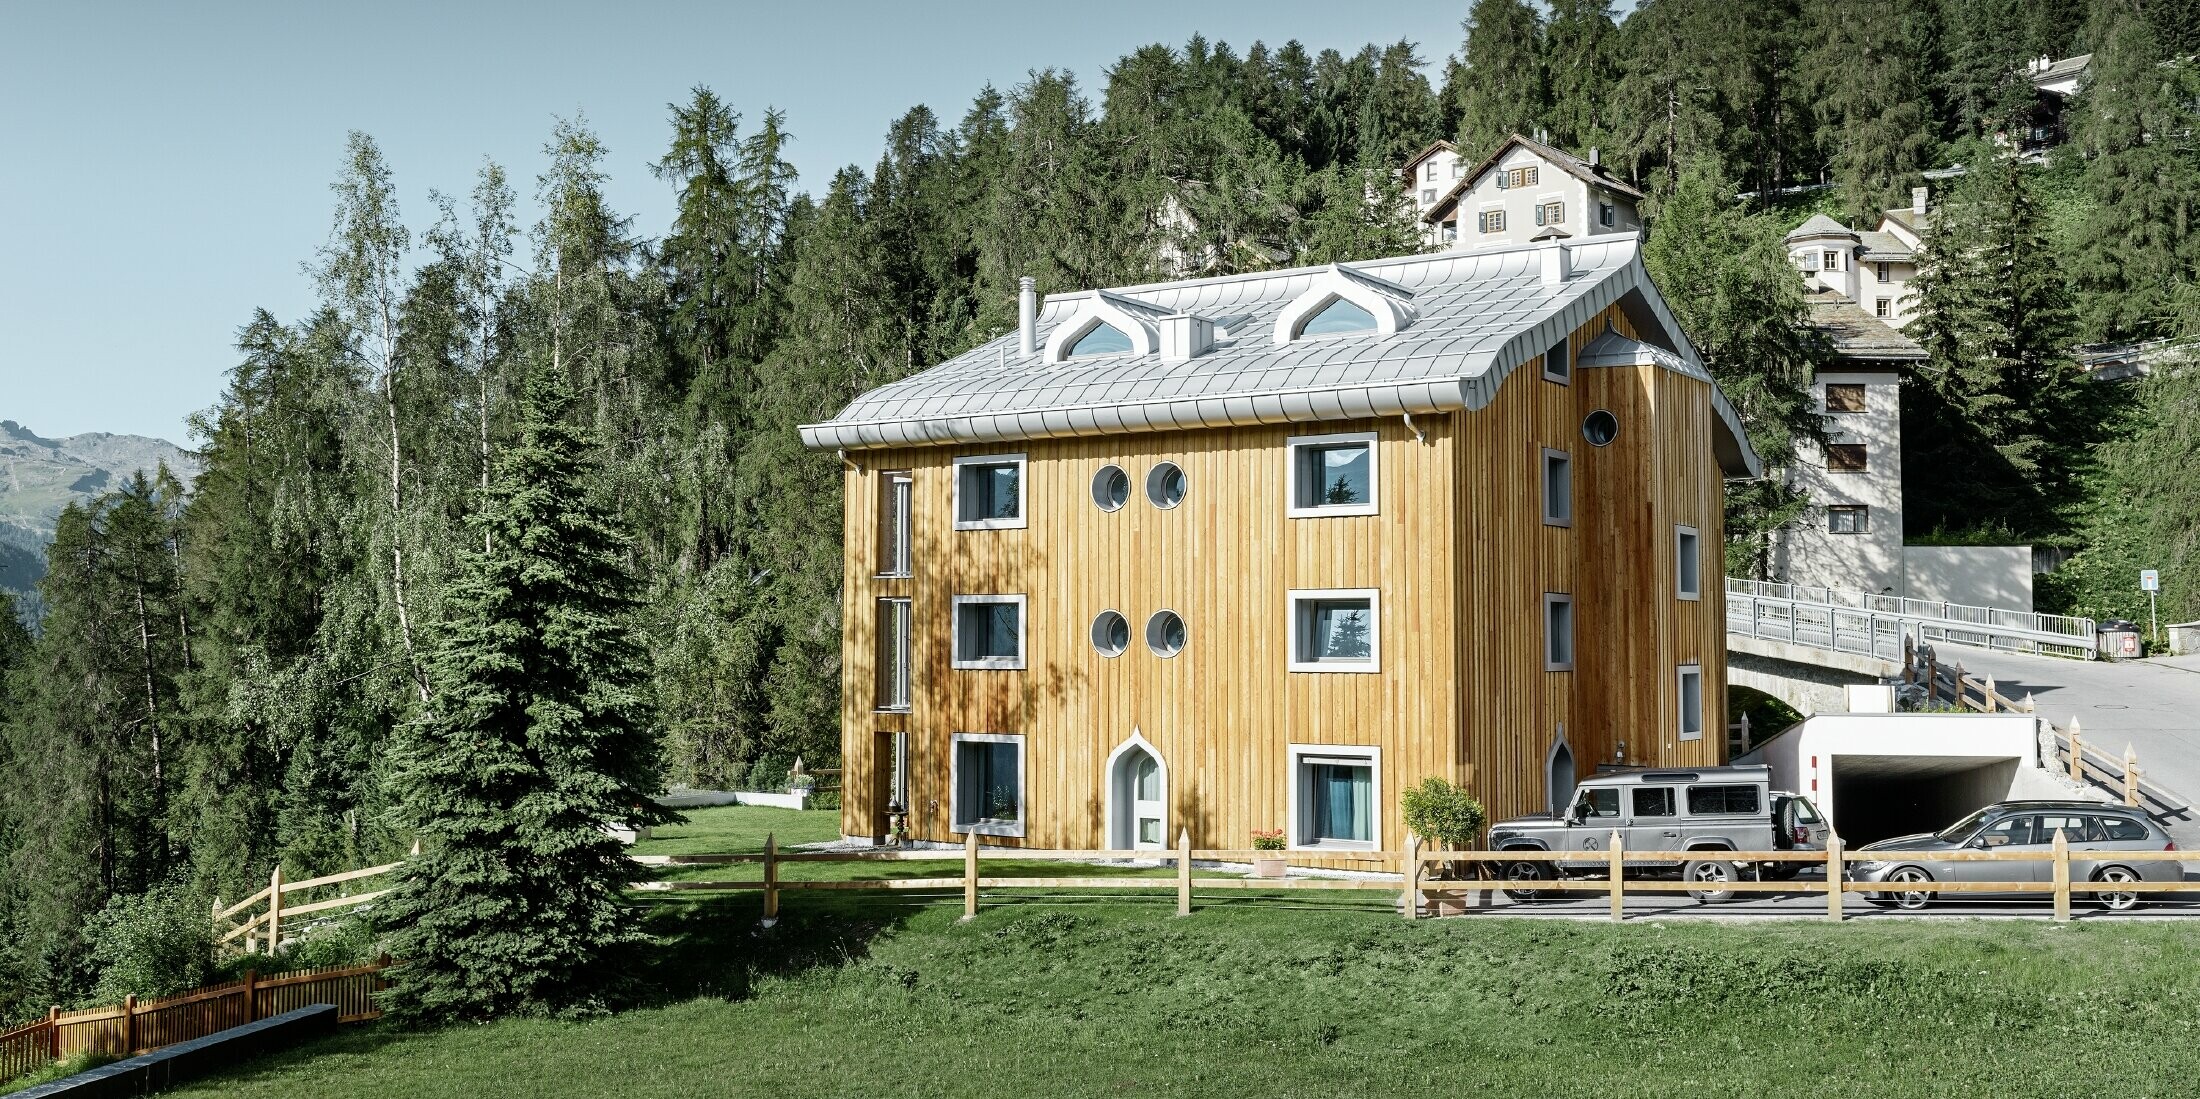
537	741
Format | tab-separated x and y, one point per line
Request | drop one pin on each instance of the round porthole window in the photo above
1111	488
1111	632
1165	485
1600	428
1165	633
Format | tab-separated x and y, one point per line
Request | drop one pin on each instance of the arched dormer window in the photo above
1105	324
1343	300
1337	317
1102	339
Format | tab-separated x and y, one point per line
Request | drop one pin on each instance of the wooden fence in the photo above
1614	881
130	1028
262	931
2085	763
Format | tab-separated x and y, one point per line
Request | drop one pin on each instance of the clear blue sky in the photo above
164	167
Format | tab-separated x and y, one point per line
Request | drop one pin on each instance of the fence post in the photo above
1960	686
252	995
2031	705
53	1032
2062	877
1932	676
2077	752
771	879
970	875
2131	776
275	909
129	1025
1407	901
214	926
1834	876
1990	693
1619	873
1184	872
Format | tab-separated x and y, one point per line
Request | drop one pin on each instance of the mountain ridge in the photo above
41	476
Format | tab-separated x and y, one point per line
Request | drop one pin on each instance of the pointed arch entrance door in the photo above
1138	786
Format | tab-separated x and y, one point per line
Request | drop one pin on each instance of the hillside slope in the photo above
40	476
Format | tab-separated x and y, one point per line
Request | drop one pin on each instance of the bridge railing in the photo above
1874	625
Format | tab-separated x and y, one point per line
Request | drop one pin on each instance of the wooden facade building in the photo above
1260	552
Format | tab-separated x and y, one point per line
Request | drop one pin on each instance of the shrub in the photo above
769	772
1268	839
1441	810
151	944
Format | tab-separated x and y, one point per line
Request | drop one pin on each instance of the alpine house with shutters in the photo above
1262	551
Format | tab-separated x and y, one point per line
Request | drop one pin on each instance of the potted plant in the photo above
1444	815
800	784
1268	840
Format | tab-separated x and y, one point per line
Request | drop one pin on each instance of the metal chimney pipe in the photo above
1027	313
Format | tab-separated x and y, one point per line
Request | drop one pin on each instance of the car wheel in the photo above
2119	901
1712	879
1520	878
1913	900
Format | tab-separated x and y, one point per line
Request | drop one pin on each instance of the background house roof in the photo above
1431	149
1856	334
1885	246
1477	317
1567	162
1820	225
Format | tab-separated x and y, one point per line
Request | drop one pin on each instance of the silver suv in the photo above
2096	833
1701	810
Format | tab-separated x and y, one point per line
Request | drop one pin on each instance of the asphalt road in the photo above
2151	705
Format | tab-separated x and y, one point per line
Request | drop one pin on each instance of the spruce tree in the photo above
1501	90
2133	123
1869	70
1580	58
536	741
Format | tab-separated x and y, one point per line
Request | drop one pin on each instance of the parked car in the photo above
1704	810
2095	832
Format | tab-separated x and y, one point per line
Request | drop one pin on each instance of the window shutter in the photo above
1504	180
1539	215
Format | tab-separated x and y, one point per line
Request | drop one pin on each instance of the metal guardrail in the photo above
1876	625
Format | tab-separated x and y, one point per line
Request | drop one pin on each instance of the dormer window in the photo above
1105	339
1338	317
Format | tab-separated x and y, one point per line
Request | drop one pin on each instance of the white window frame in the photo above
1293	634
893	532
1683	537
1680	699
989	663
1023	491
1294	510
1543	479
1882	267
1482	219
1832	260
1573	632
1544	202
954	786
1296	827
906	652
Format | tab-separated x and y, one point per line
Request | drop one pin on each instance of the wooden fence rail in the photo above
130	1028
1617	861
262	931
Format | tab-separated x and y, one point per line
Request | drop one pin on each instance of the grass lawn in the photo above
1326	994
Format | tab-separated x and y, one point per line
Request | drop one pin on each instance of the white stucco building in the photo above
1872	268
1522	191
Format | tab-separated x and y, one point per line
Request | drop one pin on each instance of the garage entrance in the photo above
1876	797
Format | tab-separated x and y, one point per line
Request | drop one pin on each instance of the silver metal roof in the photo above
1475	317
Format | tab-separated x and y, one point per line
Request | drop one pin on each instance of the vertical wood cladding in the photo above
1458	550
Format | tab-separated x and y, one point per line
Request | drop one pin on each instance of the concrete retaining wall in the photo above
696	799
151	1072
1978	576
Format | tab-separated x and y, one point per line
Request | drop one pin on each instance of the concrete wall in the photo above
1981	576
2004	750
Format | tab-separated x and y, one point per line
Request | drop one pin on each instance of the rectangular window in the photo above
1882	274
987	786
1652	801
1558	488
989	632
1712	801
1550	213
1691	700
989	492
1606	214
1558	362
1336	630
1491	221
893	654
1845	458
1558	632
1332	474
895	493
1848	519
1688	563
1336	796
1845	397
1882	307
1832	261
1458	168
1430	172
1521	177
1428	196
